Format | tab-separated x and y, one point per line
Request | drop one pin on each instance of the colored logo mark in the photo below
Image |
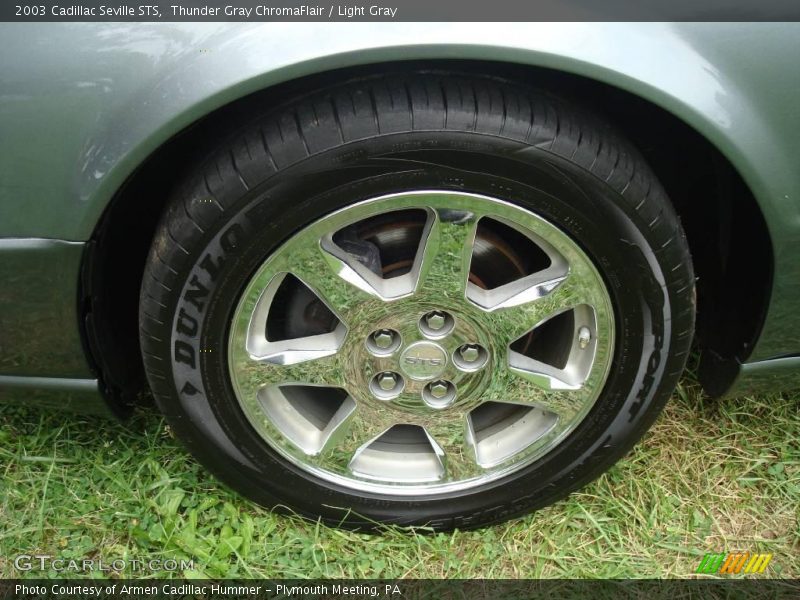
734	563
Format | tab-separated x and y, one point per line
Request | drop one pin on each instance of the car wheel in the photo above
425	299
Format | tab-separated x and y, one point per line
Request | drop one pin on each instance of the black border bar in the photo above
402	589
397	10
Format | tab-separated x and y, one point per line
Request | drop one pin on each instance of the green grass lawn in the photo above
710	477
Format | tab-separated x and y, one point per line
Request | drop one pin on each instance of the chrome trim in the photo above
374	444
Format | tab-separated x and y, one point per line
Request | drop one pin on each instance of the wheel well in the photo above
725	229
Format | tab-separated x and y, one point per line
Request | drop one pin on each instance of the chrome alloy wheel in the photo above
421	343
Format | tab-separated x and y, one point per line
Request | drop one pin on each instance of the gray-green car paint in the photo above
82	105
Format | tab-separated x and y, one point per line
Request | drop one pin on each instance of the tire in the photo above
565	188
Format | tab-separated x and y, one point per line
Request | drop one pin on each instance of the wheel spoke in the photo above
540	297
294	350
255	374
452	437
444	257
511	386
342	286
363	426
543	376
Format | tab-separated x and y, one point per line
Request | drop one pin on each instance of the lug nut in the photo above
386	385
439	394
383	342
436	324
584	337
439	389
387	381
435	320
470	357
383	338
469	352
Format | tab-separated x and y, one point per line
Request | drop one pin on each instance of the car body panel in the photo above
91	102
58	393
38	316
766	376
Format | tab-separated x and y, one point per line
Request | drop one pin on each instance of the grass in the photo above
710	477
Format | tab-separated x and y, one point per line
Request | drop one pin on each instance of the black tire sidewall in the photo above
586	208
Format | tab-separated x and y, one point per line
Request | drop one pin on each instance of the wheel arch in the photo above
715	209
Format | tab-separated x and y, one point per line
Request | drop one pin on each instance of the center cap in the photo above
423	360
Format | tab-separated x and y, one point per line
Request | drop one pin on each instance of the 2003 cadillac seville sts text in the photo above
79	10
395	272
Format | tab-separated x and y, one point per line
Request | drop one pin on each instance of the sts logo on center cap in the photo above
423	360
